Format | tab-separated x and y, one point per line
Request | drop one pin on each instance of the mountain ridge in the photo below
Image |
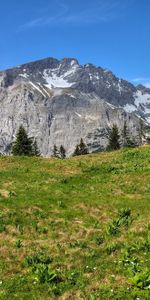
60	101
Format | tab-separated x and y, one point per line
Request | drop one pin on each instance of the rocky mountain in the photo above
58	102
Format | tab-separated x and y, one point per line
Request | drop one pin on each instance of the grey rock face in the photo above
58	102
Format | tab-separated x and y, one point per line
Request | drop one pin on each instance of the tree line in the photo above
27	146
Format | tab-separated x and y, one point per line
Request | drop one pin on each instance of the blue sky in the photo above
113	34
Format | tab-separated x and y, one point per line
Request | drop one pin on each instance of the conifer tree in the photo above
81	149
76	151
35	150
114	139
127	141
55	152
23	144
62	152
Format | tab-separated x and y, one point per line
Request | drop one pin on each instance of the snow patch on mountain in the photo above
141	103
57	92
129	108
148	119
73	62
146	110
24	75
141	98
54	80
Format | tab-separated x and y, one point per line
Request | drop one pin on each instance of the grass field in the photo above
77	228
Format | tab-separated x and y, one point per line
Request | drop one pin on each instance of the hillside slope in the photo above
75	228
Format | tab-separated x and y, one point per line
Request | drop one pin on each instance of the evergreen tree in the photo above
114	139
126	139
76	151
23	144
35	150
81	149
62	152
55	152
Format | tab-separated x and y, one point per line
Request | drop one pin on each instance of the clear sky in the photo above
113	34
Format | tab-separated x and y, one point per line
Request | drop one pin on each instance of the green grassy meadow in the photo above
77	228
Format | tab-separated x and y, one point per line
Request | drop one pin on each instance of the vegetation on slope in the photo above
75	228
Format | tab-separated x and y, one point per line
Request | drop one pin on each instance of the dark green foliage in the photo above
23	144
35	150
18	244
73	278
127	140
124	219
55	152
2	227
141	279
114	139
41	270
77	151
2	223
111	248
43	274
99	239
81	149
62	152
39	258
125	213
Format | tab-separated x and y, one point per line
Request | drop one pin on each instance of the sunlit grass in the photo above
64	209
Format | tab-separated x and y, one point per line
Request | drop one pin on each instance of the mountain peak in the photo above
61	101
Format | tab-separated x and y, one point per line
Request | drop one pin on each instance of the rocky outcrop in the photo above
58	102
